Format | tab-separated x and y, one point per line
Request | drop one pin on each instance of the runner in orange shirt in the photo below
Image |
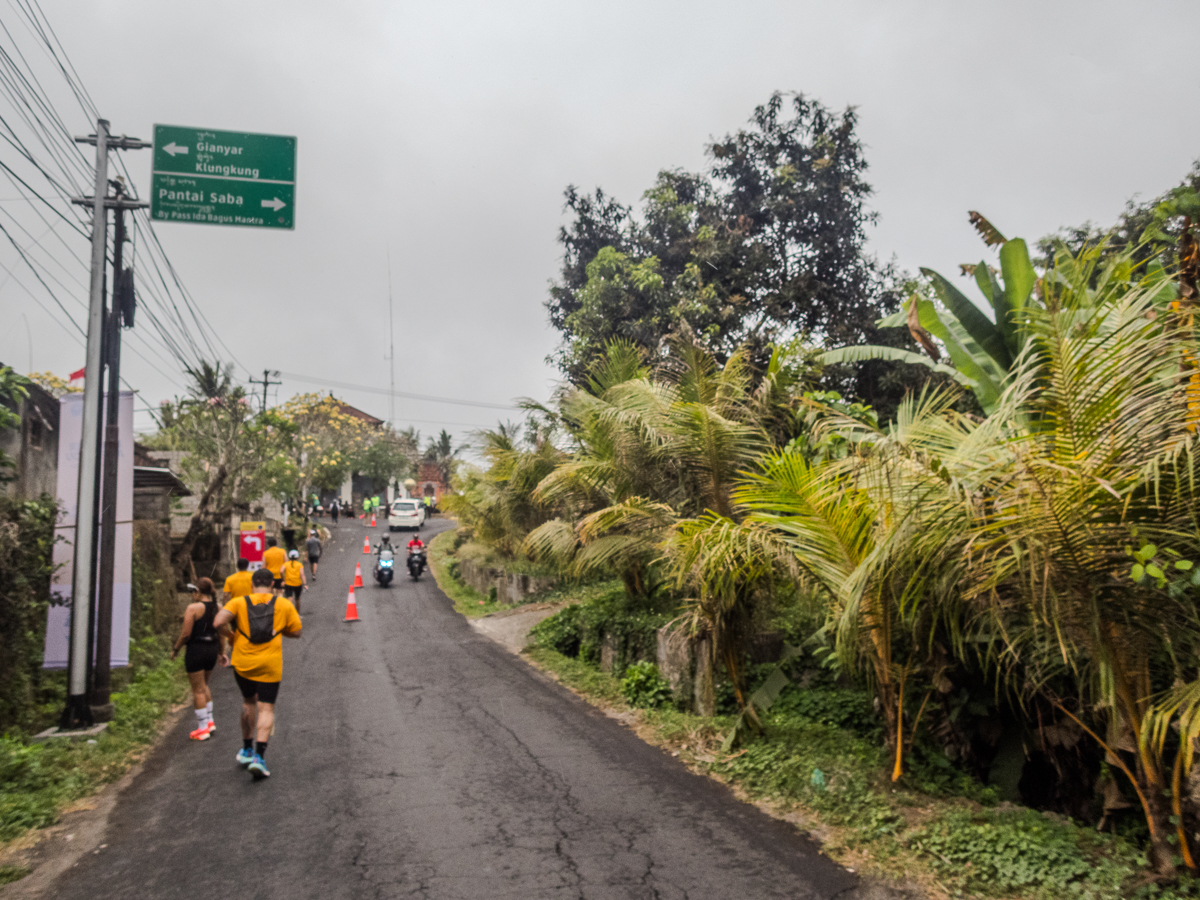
261	621
273	558
238	584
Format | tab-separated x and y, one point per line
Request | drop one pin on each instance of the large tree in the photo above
234	455
767	244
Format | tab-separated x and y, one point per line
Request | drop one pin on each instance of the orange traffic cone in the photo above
372	520
351	608
366	545
358	575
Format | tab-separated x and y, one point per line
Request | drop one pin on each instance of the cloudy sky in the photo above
443	134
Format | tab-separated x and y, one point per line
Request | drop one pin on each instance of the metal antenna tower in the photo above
391	346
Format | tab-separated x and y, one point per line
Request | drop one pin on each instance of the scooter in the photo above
416	563
385	565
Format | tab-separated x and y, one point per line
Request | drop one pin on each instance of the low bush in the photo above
644	688
26	541
999	851
610	614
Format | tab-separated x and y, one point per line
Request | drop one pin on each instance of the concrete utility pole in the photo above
121	310
266	382
78	713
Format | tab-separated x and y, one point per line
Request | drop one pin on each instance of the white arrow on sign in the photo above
174	148
275	204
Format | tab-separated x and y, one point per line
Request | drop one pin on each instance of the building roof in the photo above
155	477
359	414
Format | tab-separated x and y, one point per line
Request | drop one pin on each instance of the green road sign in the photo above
223	178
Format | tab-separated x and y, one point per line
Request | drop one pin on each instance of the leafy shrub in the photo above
825	768
643	687
579	629
848	708
26	540
560	632
999	851
932	773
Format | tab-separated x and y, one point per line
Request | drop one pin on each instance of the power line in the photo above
385	392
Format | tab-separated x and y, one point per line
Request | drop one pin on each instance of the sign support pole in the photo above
121	307
78	713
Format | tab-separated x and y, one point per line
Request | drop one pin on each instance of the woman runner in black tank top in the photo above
203	651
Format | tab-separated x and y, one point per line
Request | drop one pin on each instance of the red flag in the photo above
79	374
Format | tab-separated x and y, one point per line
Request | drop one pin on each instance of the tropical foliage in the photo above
1045	553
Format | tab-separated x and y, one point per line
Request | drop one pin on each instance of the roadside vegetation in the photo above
39	780
934	558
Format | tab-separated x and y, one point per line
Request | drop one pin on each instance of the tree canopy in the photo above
765	245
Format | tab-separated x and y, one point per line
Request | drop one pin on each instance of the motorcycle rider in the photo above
416	546
385	544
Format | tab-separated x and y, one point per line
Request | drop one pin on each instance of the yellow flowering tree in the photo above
328	440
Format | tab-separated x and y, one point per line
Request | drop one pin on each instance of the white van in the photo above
406	513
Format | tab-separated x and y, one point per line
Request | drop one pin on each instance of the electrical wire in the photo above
36	112
385	392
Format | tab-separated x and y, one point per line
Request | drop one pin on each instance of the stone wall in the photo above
514	588
33	446
687	664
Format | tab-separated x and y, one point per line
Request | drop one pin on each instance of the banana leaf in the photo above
1019	279
864	352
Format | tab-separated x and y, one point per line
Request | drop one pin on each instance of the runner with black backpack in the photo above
263	621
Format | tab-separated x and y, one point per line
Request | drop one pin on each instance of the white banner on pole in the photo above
58	619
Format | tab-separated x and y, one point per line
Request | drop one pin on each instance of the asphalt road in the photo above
414	757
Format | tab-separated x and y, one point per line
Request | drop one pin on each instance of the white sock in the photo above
201	717
208	711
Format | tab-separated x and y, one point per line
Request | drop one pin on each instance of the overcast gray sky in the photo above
444	133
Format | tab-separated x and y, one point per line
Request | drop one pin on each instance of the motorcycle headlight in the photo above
386	563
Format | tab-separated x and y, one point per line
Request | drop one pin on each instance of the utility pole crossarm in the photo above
115	143
112	202
266	382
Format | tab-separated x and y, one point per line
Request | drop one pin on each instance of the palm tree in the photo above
443	454
499	502
211	380
1104	464
854	534
650	446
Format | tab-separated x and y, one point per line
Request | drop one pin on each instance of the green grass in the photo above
485	556
467	601
472	604
10	874
580	676
38	780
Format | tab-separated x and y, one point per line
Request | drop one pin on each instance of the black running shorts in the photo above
265	691
292	590
201	657
313	560
277	583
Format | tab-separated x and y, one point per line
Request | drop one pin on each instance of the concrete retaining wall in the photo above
515	588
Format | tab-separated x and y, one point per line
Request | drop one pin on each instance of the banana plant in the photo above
981	351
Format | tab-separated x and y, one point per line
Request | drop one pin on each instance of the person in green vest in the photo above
366	506
375	502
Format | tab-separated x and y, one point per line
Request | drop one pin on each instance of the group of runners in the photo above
260	609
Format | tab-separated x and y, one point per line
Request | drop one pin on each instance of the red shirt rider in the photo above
415	542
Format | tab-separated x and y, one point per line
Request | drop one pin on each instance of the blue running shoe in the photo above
258	768
245	757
